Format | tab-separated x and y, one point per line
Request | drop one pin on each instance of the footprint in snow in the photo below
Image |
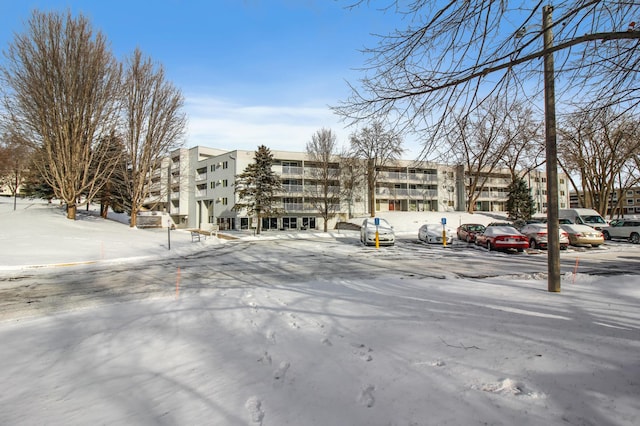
281	371
510	387
362	351
265	358
366	396
254	407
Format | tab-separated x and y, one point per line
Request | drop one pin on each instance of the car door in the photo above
619	229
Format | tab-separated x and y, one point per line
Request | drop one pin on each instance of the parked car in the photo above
623	229
538	235
468	231
580	235
501	237
386	235
583	217
432	233
521	223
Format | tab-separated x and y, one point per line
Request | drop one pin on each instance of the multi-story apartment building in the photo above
630	202
196	187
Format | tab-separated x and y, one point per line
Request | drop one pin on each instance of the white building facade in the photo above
196	187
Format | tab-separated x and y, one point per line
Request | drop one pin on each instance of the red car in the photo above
468	231
502	237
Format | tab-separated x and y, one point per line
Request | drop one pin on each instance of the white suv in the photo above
623	229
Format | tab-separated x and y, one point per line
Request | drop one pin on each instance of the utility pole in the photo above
553	224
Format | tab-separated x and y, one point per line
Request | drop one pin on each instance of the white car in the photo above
432	233
386	235
626	229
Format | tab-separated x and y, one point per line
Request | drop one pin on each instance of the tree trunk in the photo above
71	211
133	222
104	209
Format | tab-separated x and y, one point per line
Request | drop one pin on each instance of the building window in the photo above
225	201
212	185
630	193
561	181
629	201
225	164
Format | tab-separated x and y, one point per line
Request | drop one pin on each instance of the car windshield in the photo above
593	219
383	223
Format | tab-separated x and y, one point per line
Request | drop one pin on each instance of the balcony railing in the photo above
319	189
411	177
304	207
291	170
407	192
292	188
314	172
493	195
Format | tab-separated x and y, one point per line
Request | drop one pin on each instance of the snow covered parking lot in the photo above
307	331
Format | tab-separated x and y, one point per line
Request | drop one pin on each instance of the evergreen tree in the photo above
257	185
520	204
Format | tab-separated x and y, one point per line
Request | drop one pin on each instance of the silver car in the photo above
371	225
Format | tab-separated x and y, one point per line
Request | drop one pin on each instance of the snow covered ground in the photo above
394	351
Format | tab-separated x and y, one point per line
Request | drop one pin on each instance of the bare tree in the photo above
377	147
597	152
15	158
351	173
61	79
154	124
322	187
456	54
480	142
526	150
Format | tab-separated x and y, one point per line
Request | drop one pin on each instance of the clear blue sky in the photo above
252	71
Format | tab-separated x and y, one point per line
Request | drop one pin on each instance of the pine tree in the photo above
257	185
520	204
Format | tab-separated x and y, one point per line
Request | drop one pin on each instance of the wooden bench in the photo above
195	236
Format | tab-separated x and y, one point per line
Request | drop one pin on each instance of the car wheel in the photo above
606	235
533	244
488	246
520	250
635	238
469	238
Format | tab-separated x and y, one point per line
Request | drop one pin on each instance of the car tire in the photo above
606	235
469	239
532	244
635	238
520	250
488	246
